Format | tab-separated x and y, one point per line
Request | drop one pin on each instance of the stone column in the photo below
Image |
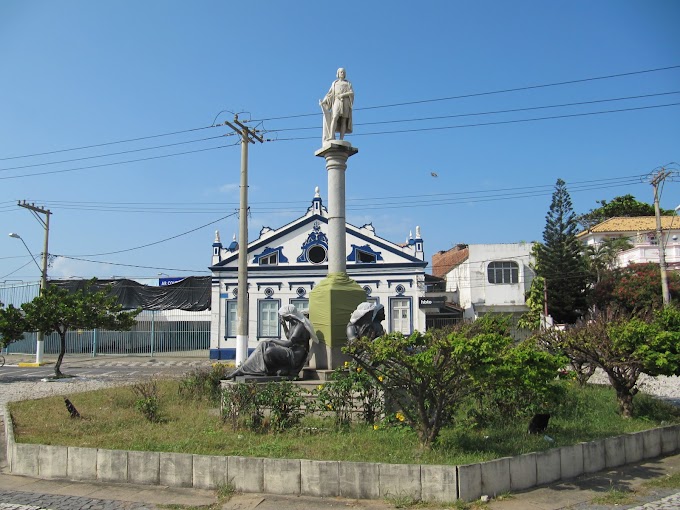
334	299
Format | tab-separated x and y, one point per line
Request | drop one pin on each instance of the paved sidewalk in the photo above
188	360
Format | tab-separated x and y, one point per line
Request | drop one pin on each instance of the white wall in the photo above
471	281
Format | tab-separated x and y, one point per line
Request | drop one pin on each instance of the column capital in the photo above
334	148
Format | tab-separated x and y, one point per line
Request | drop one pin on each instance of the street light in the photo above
17	236
40	344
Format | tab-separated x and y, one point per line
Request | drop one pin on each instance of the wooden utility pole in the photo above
247	136
40	340
659	177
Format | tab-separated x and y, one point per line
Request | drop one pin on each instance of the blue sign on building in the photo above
163	282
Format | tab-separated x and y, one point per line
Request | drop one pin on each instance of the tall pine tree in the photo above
560	261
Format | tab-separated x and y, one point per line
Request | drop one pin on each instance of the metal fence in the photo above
19	292
156	333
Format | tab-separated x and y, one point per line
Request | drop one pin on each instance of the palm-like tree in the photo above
602	257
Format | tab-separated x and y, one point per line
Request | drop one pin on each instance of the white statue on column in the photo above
337	108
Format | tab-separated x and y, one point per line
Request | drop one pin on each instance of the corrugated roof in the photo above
636	224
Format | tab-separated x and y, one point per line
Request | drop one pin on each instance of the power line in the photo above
495	123
488	93
493	112
18	269
161	241
107	143
293	206
114	153
117	163
131	265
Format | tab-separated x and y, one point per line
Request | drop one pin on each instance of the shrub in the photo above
246	405
239	406
148	401
430	376
204	382
284	401
335	398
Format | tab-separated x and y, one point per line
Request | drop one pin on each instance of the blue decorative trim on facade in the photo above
295	284
316	238
268	284
351	229
390	282
225	353
374	282
268	251
352	257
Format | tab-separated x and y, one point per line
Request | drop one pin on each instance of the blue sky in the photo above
81	73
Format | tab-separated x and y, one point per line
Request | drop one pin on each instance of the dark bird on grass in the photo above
71	408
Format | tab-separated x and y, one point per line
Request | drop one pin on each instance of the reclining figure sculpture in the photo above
281	357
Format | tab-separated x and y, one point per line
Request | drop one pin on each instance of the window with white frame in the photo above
302	304
268	318
503	272
230	317
270	260
400	315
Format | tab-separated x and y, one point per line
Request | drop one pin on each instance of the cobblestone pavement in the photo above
32	501
667	503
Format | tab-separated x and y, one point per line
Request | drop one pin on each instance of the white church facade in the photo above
285	264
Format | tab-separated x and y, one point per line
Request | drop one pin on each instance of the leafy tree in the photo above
560	261
602	257
534	297
57	309
634	288
12	325
623	346
625	206
431	375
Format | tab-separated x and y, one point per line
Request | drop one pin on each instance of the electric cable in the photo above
478	94
117	163
151	207
131	265
493	112
158	242
494	123
106	143
115	153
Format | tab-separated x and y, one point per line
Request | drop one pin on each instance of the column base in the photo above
331	304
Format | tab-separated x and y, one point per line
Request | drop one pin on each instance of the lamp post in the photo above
40	343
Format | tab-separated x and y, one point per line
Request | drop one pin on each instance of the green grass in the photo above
110	421
615	497
665	482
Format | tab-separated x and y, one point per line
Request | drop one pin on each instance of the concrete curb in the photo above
356	480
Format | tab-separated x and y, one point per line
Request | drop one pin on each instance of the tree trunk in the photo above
62	351
625	400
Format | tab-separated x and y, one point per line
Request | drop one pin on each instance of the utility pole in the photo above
660	176
36	211
247	136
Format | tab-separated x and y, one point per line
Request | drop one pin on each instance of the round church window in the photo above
317	254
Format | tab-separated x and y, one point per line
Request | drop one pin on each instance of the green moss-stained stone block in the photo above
331	304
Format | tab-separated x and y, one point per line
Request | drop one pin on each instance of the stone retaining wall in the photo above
360	480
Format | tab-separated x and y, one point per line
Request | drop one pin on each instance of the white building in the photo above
641	233
486	278
285	264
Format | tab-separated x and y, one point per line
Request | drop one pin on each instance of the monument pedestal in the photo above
331	304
